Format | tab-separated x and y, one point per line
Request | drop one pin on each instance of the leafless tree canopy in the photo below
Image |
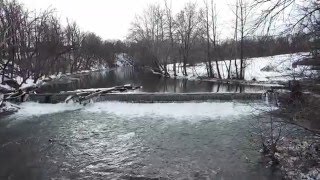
33	44
297	16
159	37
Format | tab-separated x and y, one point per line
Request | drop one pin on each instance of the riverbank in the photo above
7	108
298	151
299	158
11	88
30	82
122	60
261	71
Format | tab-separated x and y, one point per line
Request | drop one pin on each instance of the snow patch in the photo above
263	69
123	60
8	107
299	157
6	87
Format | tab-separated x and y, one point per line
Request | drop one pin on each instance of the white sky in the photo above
111	19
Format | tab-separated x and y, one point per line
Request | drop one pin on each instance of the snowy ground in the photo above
30	82
300	158
8	108
123	60
262	69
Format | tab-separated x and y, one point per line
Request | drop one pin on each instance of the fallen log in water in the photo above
20	95
80	96
83	95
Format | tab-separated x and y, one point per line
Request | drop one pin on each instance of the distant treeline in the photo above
254	47
33	44
265	46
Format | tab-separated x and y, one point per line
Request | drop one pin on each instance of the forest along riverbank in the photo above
260	71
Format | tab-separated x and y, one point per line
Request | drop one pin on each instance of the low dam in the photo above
152	97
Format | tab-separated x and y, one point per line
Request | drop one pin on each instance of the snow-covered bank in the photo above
8	108
300	158
261	69
11	86
46	79
123	60
28	83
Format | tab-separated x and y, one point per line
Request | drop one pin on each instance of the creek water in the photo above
112	140
149	82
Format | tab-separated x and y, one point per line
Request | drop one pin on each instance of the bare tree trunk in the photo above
229	70
214	32
241	40
210	71
170	24
236	41
228	67
184	72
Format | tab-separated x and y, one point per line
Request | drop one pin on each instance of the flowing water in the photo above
112	140
148	81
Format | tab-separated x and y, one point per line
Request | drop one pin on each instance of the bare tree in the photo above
242	18
33	45
206	23
268	130
299	17
214	36
170	26
187	21
150	30
74	38
236	40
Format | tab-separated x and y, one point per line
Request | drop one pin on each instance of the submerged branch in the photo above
84	95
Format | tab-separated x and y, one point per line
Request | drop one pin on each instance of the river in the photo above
113	140
149	82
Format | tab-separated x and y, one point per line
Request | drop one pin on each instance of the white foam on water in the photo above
127	136
171	110
190	111
30	109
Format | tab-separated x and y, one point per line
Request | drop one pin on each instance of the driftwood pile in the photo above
86	95
20	95
81	96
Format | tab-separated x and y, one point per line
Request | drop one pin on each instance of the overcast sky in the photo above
111	19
